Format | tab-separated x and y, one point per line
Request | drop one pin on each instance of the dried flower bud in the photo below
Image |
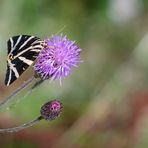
51	110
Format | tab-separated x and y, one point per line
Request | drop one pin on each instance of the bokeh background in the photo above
105	99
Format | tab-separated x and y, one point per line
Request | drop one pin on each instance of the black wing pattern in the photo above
22	51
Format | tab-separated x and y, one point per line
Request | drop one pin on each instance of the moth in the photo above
22	52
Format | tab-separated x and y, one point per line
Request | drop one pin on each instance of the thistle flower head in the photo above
51	110
58	58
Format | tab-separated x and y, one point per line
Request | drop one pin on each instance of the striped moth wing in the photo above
22	51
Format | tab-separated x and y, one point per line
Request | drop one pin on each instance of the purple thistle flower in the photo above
58	58
51	110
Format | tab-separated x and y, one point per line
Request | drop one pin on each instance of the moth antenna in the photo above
58	32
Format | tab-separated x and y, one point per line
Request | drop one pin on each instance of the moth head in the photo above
10	57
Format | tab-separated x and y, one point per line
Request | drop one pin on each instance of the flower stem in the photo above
23	86
37	83
21	127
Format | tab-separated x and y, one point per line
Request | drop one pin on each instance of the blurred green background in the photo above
105	99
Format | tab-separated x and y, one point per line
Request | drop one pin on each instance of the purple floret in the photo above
58	58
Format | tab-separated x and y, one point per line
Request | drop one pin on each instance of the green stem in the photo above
23	86
21	127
